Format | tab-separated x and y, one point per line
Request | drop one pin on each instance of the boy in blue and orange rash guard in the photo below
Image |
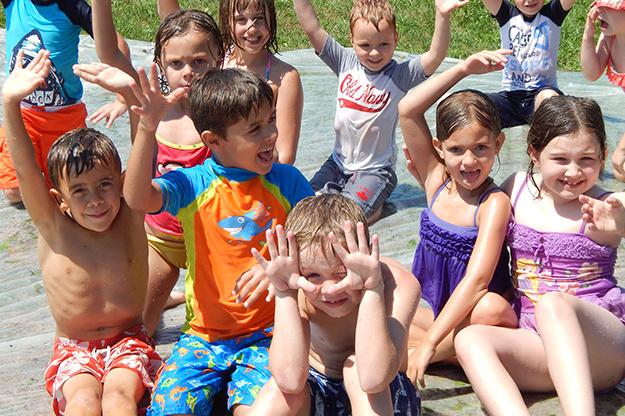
225	206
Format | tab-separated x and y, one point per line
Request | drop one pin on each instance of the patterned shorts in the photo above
133	350
328	397
198	369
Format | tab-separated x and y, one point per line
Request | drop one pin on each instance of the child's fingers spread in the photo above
153	76
271	244
256	293
338	247
363	244
259	258
340	286
282	247
305	285
293	250
375	247
352	245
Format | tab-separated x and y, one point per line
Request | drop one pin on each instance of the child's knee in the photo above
493	309
543	95
553	304
468	341
86	398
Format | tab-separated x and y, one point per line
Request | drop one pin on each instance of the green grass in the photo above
472	27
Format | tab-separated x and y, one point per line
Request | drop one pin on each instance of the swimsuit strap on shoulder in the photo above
268	65
438	191
479	202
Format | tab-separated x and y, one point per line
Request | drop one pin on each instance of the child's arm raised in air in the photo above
113	50
310	24
387	306
20	83
166	7
413	106
493	6
288	356
593	60
140	192
439	46
109	44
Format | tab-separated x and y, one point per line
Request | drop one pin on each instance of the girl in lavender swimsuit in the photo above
571	313
461	261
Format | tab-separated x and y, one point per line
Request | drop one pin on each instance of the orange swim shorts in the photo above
44	128
133	350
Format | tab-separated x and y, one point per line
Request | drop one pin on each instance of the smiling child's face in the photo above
374	48
93	198
324	271
529	8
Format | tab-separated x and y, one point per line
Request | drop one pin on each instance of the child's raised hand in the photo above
606	216
486	61
283	269
154	106
445	7
363	267
591	27
110	111
23	81
108	77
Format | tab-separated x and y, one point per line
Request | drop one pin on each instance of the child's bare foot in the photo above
174	299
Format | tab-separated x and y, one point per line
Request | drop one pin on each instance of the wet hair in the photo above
564	115
180	23
228	9
463	108
314	217
372	11
220	98
78	151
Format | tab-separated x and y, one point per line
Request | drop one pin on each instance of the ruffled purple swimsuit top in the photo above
443	253
564	262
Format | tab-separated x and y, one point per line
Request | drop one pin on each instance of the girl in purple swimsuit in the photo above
572	334
461	260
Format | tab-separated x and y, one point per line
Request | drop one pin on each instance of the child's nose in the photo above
95	198
188	71
272	133
573	170
469	158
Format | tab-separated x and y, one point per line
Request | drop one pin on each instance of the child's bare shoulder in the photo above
397	278
281	71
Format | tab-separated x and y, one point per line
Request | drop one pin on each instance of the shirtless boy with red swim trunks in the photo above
94	260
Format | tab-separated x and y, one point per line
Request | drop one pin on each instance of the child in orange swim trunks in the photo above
93	254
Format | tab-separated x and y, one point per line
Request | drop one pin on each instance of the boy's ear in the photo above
59	199
438	146
212	140
122	178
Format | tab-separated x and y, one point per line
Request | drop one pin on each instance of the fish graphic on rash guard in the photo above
52	93
247	226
